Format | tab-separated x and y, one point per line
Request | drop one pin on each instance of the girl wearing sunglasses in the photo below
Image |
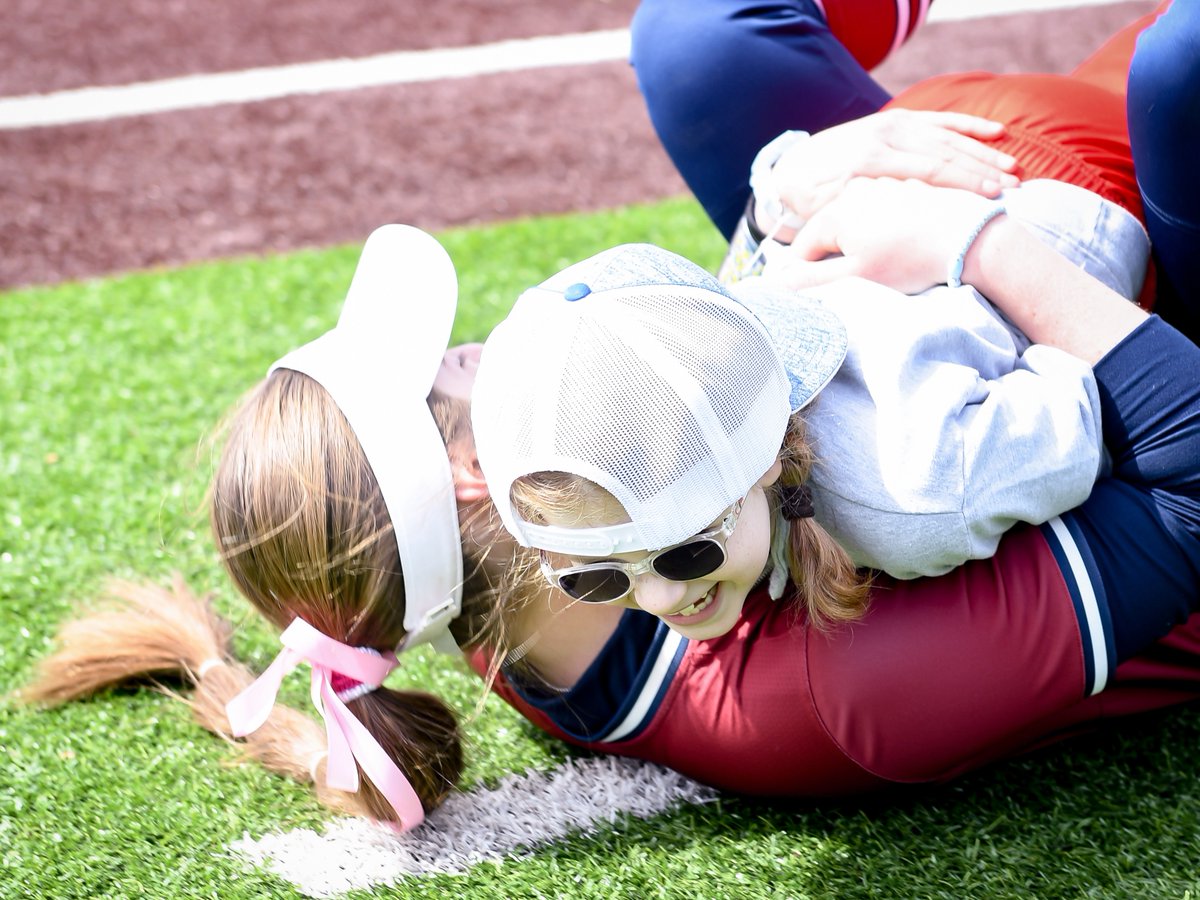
655	418
1052	620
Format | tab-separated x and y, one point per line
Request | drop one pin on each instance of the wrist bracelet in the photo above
762	185
955	269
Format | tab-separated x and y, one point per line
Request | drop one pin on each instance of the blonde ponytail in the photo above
145	633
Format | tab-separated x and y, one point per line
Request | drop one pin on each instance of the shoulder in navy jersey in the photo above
621	691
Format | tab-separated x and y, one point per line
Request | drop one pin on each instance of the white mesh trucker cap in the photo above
378	365
638	370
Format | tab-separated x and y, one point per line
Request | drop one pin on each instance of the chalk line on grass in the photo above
522	812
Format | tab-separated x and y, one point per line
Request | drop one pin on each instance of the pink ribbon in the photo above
348	738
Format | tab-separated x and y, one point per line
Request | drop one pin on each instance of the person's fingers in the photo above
816	240
947	135
963	123
974	178
972	148
950	146
944	170
798	274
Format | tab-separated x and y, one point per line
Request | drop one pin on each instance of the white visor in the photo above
378	365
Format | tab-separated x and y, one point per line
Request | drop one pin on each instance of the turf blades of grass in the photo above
112	389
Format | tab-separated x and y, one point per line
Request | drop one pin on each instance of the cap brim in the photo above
810	338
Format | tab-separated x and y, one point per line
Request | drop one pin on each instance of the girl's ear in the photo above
772	475
469	484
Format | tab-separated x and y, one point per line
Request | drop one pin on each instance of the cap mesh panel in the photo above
670	396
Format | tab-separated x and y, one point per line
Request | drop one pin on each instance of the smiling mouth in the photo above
700	605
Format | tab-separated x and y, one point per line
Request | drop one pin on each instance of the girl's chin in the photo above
706	622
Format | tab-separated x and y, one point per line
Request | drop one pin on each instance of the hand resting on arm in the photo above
906	235
941	148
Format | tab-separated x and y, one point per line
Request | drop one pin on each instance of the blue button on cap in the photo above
577	291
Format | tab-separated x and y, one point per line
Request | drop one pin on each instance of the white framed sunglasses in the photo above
607	581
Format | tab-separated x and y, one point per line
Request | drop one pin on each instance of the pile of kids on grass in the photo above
930	453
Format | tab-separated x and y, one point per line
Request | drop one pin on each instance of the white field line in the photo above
521	813
957	10
406	67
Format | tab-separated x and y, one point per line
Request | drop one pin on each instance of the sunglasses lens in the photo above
595	585
694	559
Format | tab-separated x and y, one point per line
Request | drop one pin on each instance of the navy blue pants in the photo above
722	77
1163	102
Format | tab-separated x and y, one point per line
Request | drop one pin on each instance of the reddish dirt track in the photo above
77	43
94	198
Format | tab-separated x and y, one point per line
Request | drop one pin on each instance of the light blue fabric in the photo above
940	431
944	426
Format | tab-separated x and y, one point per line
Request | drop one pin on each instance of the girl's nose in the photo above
658	596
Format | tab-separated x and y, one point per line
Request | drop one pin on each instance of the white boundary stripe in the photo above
957	10
1091	609
190	92
194	91
523	811
666	655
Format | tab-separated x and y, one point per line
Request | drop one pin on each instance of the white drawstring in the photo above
780	573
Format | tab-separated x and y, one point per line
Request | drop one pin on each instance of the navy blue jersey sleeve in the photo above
621	690
1135	543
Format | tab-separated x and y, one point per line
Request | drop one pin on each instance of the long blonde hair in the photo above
303	531
828	586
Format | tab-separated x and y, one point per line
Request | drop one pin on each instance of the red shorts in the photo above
1057	127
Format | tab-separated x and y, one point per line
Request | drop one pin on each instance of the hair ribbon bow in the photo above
349	740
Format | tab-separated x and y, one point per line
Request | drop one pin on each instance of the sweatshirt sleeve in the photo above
938	435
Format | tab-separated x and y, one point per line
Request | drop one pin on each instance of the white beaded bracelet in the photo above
763	185
955	269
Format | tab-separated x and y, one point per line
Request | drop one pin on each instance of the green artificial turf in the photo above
112	390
